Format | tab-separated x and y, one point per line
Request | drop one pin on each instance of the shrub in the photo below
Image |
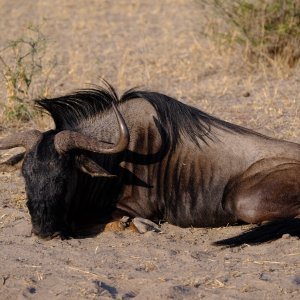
269	29
24	73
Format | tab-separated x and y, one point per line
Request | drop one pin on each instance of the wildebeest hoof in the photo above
144	225
125	221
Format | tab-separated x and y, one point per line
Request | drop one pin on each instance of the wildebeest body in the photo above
180	165
185	187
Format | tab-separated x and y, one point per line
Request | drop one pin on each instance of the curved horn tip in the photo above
124	137
26	139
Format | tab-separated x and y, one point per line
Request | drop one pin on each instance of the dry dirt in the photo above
161	45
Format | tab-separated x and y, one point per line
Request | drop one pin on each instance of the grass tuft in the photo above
24	73
269	30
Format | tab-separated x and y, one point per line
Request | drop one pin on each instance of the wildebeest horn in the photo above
67	140
26	139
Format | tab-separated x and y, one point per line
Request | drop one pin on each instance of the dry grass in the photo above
25	75
268	30
143	47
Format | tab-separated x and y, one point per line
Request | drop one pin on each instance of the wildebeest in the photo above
150	156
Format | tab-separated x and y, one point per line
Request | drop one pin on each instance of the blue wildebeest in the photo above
150	157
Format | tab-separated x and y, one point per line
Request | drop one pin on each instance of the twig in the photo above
5	278
87	272
268	262
293	254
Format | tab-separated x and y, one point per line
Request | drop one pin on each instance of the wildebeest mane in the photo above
178	119
69	110
181	120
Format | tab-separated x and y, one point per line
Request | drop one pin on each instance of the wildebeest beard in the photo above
48	194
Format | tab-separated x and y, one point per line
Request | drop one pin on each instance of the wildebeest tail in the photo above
264	233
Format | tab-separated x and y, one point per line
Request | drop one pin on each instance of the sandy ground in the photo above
161	45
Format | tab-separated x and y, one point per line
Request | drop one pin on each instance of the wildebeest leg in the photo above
143	225
265	194
137	224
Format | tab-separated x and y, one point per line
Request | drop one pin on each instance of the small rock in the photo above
129	295
265	277
181	289
125	221
297	280
32	290
174	252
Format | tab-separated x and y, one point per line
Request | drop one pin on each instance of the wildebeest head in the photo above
49	169
48	179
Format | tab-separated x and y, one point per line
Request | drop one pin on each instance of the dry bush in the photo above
269	30
25	74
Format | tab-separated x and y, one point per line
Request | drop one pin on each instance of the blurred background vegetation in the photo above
268	30
25	74
220	55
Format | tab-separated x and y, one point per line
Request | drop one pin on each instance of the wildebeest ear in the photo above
90	167
12	163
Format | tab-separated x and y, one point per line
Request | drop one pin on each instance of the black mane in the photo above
176	117
69	110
